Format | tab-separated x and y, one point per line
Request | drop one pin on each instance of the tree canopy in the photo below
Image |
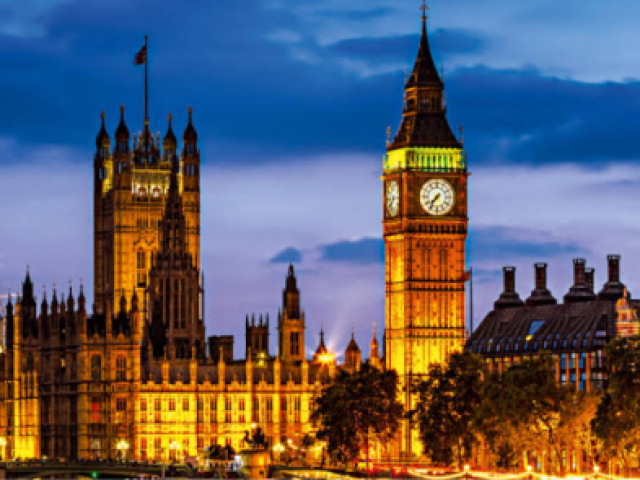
356	410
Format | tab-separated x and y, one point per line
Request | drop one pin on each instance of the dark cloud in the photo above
509	244
254	99
445	42
367	251
287	255
521	116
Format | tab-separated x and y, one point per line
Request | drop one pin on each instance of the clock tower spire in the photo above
425	229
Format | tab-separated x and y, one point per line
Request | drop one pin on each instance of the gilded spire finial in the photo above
388	136
461	130
424	9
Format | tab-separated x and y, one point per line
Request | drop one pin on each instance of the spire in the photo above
190	135
81	300
44	305
353	345
122	132
424	71
322	348
169	142
102	139
424	123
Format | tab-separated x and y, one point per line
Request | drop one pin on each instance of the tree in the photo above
446	410
617	420
356	410
526	409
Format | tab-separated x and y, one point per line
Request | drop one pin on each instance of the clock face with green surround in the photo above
393	198
437	196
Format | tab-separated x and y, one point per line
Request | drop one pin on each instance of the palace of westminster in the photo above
138	368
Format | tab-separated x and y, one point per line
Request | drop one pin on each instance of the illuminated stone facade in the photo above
136	371
425	228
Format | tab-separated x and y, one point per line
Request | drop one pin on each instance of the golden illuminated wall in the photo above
425	277
197	415
126	228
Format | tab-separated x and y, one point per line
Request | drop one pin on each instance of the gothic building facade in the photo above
137	370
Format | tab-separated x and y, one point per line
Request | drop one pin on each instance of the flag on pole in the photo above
467	275
141	56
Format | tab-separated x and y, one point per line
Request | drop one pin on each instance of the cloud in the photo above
501	243
287	255
374	49
365	251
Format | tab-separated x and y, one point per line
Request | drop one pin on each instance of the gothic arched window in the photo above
121	368
96	368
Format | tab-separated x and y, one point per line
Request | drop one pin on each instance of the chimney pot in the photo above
509	279
541	276
614	268
579	265
589	276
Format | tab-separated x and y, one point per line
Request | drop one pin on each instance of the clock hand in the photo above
437	197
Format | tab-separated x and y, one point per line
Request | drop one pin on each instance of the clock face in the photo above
393	198
437	197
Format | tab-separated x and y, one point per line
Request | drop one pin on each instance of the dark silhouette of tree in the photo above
357	410
446	409
617	420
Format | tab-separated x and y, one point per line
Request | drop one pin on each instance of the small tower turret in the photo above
352	355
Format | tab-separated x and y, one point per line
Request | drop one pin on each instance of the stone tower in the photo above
291	322
425	228
131	186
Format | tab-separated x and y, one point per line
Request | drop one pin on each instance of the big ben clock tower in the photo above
425	228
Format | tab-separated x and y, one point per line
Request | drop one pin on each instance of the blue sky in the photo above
291	101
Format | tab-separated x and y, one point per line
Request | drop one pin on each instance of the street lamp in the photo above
174	446
122	447
529	468
466	471
596	469
278	449
3	443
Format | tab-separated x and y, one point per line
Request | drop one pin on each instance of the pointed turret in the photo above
190	136
322	348
352	355
54	301
423	120
374	352
70	299
122	134
103	141
44	305
82	301
291	295
425	73
170	143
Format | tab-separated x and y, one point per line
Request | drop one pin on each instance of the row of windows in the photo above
548	342
96	368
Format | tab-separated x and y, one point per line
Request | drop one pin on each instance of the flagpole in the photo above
146	82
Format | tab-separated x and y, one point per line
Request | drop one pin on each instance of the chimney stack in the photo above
580	291
509	297
589	278
541	294
613	289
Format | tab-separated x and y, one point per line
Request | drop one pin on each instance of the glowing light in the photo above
466	468
529	468
327	358
596	468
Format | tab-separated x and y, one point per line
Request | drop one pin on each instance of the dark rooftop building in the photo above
574	332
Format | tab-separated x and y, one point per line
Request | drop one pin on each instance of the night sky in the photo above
291	102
